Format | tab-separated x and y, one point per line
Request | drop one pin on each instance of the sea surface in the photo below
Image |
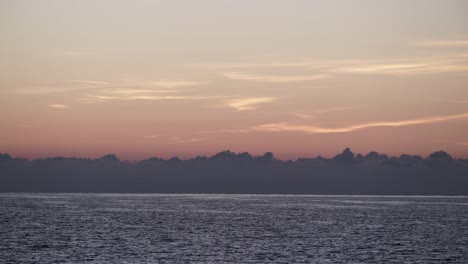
135	228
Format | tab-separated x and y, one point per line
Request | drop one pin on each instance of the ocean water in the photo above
132	228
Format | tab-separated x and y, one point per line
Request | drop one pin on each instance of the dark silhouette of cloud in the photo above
347	156
230	172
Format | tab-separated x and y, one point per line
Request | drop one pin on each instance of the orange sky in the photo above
187	78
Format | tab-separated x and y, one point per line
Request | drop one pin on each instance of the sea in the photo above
214	228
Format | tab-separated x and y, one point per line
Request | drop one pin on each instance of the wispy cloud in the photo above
244	76
177	140
76	53
173	84
42	90
328	110
184	141
164	139
62	87
299	63
249	103
89	82
152	97
312	114
381	68
319	130
154	136
139	91
450	43
301	115
417	68
109	94
59	106
461	143
309	129
319	70
122	87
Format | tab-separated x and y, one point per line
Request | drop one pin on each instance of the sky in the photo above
184	78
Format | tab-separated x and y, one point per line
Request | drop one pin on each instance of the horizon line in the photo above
237	154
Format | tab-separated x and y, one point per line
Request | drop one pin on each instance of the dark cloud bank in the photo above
228	172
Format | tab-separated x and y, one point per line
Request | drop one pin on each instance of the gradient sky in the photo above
186	78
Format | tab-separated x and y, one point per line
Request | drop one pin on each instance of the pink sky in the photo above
298	78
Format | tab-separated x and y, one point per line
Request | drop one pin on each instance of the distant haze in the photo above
187	78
